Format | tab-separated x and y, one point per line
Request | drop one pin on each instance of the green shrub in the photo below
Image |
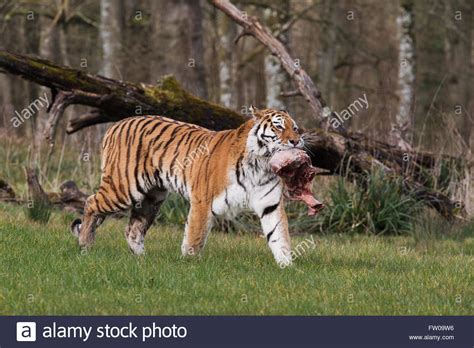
38	211
379	208
174	210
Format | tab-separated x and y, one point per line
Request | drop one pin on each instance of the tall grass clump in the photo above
174	210
38	211
380	207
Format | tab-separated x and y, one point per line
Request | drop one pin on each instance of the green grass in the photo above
43	272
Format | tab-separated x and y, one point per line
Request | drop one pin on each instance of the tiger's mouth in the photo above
294	167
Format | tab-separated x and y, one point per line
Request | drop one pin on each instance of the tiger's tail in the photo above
76	227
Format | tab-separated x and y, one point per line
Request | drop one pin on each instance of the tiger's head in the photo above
275	130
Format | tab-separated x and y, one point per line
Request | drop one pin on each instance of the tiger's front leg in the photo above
275	228
196	230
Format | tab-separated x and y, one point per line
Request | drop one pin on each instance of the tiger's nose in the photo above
293	142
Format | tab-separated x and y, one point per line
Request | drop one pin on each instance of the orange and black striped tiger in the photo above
145	157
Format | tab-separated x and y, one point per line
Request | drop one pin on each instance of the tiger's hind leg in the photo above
93	217
141	218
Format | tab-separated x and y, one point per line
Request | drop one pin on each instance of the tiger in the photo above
218	172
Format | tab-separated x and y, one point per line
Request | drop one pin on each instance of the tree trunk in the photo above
196	59
111	37
406	74
47	50
329	45
275	77
227	65
458	63
6	100
459	55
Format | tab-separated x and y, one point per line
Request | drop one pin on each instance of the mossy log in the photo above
115	100
69	198
349	154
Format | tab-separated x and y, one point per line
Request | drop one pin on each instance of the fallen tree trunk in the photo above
355	156
346	153
114	100
69	198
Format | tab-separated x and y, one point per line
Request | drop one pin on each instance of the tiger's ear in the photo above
255	112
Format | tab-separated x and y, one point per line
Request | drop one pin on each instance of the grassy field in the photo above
43	272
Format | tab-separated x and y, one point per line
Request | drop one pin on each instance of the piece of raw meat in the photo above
294	167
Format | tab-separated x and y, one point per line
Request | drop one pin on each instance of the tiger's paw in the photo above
283	257
189	251
136	245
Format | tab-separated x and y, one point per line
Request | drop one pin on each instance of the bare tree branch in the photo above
252	26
